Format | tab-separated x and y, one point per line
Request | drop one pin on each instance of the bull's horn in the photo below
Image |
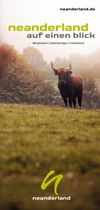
68	70
70	67
55	70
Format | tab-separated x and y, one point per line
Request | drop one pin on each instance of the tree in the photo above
91	97
34	57
7	55
20	82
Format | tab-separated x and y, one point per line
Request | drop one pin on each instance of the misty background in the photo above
29	78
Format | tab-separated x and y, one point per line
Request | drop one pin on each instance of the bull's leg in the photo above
70	102
80	101
65	101
64	97
74	102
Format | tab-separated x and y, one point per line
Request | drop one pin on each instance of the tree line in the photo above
28	78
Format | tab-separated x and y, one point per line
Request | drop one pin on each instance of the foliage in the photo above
19	82
35	58
91	97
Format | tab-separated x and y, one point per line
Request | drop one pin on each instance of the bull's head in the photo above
62	73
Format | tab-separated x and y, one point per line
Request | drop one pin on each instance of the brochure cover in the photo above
49	105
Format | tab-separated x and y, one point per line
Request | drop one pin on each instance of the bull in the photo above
71	87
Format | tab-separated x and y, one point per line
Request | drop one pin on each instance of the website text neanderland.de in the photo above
77	9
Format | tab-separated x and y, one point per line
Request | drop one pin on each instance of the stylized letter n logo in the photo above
57	180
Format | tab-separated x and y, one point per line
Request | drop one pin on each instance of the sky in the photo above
39	12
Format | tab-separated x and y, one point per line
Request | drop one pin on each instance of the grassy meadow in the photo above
34	140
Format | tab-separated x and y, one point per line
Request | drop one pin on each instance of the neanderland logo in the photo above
57	180
48	181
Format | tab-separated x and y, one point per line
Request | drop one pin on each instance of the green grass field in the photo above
34	140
